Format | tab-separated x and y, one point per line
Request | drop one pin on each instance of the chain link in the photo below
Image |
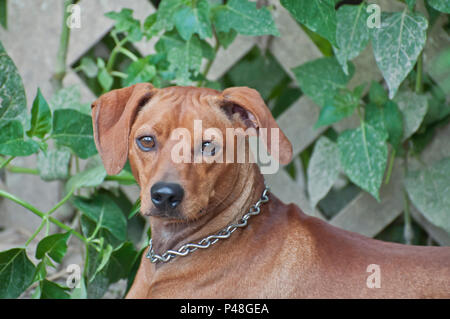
211	239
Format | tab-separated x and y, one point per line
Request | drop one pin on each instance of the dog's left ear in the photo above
252	109
113	113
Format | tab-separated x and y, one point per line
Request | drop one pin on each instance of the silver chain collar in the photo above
212	239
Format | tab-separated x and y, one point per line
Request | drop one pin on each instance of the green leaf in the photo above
121	261
13	104
377	94
352	33
102	210
413	107
245	18
79	292
438	108
433	14
125	178
51	290
166	10
41	117
189	20
440	70
266	66
53	164
126	23
89	67
55	246
119	265
149	22
90	177
4	13
428	189
135	209
105	255
317	15
97	260
341	106
105	79
207	50
411	4
393	122
36	293
184	56
16	272
440	5
323	169
41	271
322	78
386	118
139	71
226	38
12	141
74	130
96	282
397	44
69	98
363	153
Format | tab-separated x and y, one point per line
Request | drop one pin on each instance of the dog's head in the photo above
177	143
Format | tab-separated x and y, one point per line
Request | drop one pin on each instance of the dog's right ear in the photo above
113	113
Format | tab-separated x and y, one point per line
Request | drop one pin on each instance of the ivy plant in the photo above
392	116
397	117
59	130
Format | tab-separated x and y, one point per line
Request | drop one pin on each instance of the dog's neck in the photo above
246	190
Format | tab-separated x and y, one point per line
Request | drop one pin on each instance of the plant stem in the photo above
408	234
23	170
38	230
77	165
60	203
67	228
60	69
391	164
124	179
22	203
34	171
419	71
210	62
407	231
128	53
358	111
47	228
97	228
41	214
7	162
112	57
119	74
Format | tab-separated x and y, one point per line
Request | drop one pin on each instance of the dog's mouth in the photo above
173	215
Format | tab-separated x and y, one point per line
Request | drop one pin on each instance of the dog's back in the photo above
285	253
354	266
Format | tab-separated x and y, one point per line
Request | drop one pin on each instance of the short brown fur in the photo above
282	253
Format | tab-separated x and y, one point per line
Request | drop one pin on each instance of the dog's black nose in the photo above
166	195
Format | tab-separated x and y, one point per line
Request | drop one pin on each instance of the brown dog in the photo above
281	253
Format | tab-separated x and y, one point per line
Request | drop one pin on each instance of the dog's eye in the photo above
146	143
208	148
